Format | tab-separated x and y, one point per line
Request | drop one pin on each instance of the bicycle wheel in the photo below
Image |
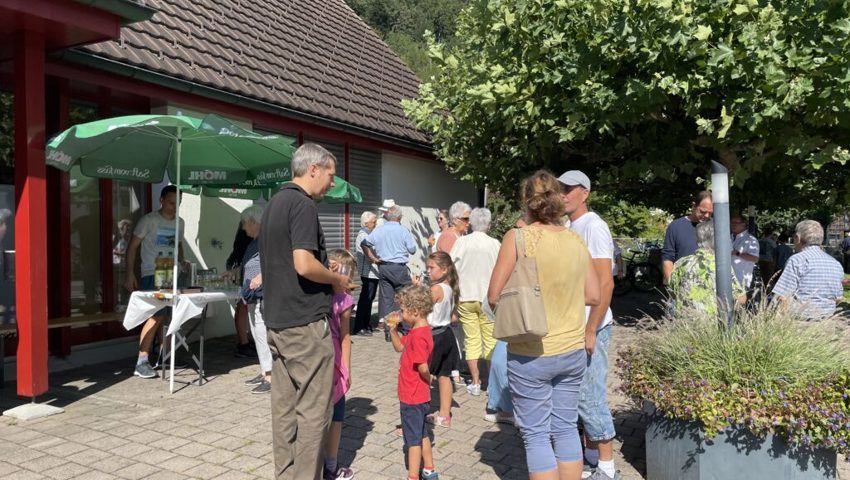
646	277
622	286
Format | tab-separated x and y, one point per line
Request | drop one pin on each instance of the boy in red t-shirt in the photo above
414	379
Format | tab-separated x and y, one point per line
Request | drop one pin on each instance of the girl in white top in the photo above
445	357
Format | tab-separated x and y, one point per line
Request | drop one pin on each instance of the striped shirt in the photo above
812	281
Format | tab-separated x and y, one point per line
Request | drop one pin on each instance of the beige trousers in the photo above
302	385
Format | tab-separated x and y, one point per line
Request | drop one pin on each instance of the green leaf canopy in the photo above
642	94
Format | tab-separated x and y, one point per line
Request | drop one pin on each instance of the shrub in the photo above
770	372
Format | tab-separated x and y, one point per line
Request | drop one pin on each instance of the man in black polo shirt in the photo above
296	307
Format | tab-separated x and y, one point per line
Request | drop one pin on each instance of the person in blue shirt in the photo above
389	247
680	240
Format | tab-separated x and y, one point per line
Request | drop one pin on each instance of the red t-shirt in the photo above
418	345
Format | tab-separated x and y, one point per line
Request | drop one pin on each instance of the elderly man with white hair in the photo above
390	247
459	219
474	256
811	280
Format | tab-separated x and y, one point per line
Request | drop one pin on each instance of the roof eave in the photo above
130	11
87	59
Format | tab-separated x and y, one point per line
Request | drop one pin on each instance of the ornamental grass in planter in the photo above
772	374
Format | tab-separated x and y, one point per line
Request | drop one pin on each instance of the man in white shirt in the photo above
154	235
745	251
593	404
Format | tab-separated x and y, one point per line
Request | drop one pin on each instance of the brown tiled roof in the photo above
313	56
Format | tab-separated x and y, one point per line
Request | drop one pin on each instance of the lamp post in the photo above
722	239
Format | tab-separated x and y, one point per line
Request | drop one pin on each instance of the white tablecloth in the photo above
189	305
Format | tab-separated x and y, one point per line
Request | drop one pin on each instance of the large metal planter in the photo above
678	450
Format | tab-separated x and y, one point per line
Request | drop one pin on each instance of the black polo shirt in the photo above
291	221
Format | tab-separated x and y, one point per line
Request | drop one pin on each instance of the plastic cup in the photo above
392	319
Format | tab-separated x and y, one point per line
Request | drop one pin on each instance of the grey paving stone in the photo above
206	471
66	471
137	471
179	463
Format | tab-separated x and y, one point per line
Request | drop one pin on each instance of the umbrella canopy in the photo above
141	148
213	151
342	192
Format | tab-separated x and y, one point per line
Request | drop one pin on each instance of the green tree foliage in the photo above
641	94
629	220
403	23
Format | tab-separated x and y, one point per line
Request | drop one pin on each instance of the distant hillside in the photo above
402	23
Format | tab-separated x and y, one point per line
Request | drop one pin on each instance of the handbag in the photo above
520	314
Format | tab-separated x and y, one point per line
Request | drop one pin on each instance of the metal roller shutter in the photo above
364	172
332	217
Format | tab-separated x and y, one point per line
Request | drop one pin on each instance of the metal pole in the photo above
722	240
175	272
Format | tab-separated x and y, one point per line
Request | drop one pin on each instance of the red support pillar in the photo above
31	214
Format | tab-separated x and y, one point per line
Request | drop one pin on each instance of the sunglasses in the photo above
465	219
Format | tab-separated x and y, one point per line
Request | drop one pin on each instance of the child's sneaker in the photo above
429	476
343	473
474	389
439	421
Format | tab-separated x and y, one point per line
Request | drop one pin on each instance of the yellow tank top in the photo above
562	260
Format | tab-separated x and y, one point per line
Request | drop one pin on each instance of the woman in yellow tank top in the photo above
545	375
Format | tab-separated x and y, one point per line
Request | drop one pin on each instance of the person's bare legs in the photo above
473	370
569	470
149	331
446	390
332	441
240	319
414	460
547	475
427	454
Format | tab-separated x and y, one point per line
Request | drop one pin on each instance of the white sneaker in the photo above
474	389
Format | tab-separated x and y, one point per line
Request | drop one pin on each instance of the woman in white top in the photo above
474	256
445	357
442	224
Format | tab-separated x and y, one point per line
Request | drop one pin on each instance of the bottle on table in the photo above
169	266
160	275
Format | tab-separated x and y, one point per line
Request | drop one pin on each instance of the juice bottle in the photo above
169	267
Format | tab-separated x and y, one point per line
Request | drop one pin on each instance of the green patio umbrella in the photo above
342	192
208	151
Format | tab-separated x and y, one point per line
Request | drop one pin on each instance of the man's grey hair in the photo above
479	219
809	232
705	235
254	212
458	209
393	214
367	217
310	154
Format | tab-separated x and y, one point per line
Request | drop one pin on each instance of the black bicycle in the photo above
640	275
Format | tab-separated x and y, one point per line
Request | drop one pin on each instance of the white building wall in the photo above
422	187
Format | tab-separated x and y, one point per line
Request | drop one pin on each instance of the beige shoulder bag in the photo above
520	315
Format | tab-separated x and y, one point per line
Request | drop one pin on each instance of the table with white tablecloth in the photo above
143	305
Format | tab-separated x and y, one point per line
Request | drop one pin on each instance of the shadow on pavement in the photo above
503	451
69	386
630	425
356	427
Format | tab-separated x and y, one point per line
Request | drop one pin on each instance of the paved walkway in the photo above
119	426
